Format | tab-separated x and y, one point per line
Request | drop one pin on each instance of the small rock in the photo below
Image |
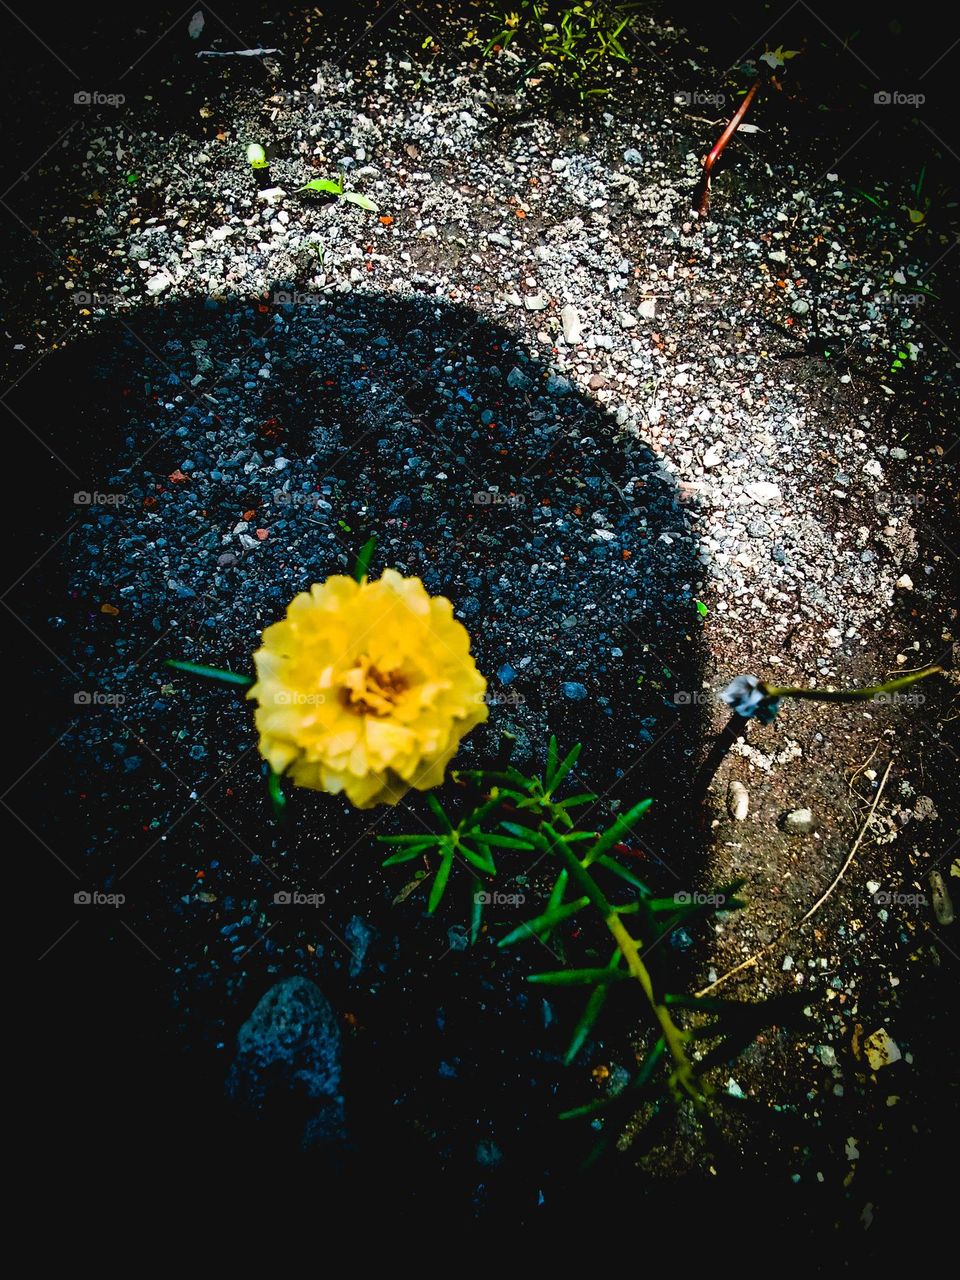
942	905
764	492
881	1050
570	321
798	823
288	1061
905	583
738	801
535	302
627	321
712	457
574	691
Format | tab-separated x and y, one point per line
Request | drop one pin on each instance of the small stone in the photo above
905	583
506	674
713	456
798	823
535	302
570	322
942	905
764	492
627	321
738	801
648	309
881	1050
574	691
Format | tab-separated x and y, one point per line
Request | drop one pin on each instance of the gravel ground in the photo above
576	411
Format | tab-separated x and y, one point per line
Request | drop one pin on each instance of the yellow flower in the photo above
366	688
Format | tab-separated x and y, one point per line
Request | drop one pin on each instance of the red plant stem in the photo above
731	128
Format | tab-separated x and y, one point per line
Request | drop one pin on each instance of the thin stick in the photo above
752	960
703	196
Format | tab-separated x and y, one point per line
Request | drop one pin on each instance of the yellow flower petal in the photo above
366	689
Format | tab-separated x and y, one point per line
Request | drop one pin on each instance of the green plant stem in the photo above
853	695
211	673
683	1075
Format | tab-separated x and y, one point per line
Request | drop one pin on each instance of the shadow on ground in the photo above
214	459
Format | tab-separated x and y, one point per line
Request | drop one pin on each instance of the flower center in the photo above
367	691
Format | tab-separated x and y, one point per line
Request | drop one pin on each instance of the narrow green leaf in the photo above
548	920
505	842
552	757
354	197
423	838
323	184
615	867
406	855
437	811
564	767
212	673
275	791
484	811
364	557
476	911
613	835
595	1003
577	977
585	797
480	859
440	881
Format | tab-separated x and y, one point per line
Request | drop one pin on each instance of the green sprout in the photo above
256	156
334	187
